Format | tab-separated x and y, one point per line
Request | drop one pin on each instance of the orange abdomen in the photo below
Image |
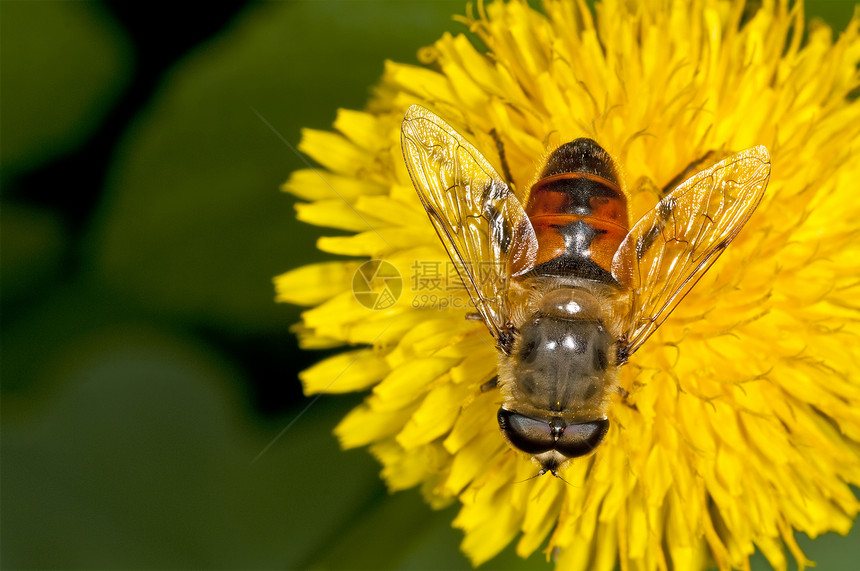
579	219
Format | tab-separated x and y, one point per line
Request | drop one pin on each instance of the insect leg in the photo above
688	170
665	208
625	396
500	148
490	385
621	351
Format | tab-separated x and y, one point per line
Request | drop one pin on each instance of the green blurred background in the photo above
144	362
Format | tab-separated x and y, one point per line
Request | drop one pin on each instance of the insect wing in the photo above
477	216
670	248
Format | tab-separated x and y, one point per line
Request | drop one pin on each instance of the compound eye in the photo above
526	434
580	439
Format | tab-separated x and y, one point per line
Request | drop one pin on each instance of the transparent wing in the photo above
477	216
670	248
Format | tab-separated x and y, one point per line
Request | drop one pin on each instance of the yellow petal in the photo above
314	184
336	213
314	283
346	372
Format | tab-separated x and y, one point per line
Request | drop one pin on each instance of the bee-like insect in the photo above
565	287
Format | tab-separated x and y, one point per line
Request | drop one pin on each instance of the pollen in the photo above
740	420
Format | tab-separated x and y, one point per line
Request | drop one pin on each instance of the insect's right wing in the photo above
477	216
670	248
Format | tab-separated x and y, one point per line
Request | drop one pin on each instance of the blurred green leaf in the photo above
63	65
830	552
837	13
387	533
33	244
402	532
61	313
140	458
193	222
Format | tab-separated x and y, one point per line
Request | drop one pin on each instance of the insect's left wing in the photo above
477	216
670	248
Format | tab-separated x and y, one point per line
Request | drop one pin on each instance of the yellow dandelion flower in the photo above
743	417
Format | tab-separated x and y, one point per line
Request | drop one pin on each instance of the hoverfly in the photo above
565	287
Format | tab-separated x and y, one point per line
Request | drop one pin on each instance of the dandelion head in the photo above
742	415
